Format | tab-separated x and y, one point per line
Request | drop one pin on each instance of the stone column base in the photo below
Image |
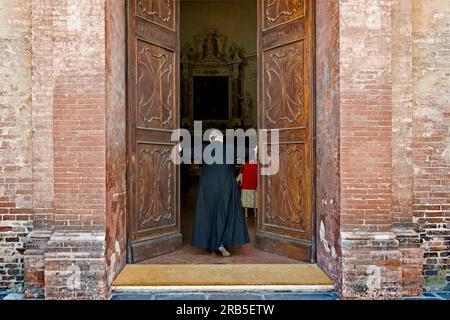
412	261
34	283
75	266
371	265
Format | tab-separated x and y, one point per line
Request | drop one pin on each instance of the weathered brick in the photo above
72	274
382	158
431	140
15	136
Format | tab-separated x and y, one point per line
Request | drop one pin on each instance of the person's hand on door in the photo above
239	179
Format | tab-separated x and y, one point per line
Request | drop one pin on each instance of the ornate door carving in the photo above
153	77
285	64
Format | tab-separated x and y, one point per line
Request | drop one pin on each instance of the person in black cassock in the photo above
219	220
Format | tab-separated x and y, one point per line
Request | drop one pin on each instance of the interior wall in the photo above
235	19
327	138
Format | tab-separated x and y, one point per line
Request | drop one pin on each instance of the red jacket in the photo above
249	176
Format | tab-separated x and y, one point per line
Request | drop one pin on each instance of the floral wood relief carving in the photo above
158	11
155	87
279	11
287	208
284	86
155	185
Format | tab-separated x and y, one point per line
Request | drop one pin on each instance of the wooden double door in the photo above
285	43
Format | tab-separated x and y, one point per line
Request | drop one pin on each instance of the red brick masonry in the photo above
382	129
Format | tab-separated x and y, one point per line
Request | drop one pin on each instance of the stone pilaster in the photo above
371	265
411	261
34	284
75	266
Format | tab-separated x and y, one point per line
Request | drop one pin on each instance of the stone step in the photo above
256	295
225	289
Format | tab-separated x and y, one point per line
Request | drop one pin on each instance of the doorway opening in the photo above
218	86
231	64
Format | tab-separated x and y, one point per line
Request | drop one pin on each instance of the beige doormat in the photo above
221	275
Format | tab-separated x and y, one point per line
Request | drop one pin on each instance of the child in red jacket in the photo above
248	177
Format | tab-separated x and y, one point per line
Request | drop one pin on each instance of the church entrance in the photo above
230	64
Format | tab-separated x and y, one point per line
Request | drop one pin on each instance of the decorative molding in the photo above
155	86
155	187
284	86
210	50
279	11
158	11
208	54
287	208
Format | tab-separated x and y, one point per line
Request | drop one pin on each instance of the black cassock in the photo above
219	218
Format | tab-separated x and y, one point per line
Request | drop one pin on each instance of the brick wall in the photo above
431	140
371	266
366	111
43	156
75	257
15	139
42	102
79	139
402	168
402	113
79	114
62	164
75	266
371	259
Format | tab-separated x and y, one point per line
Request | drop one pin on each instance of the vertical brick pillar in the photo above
402	113
431	137
65	257
370	251
43	169
402	157
79	156
75	266
75	258
34	264
16	187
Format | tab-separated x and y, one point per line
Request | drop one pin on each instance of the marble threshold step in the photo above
223	278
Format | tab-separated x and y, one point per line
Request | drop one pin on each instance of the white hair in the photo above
215	134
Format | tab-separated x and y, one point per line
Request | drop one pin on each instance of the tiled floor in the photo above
246	254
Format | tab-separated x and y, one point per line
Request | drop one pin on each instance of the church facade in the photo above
378	94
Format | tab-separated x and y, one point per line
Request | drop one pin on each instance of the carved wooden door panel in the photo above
285	59
153	77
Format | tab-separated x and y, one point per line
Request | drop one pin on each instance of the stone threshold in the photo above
223	289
